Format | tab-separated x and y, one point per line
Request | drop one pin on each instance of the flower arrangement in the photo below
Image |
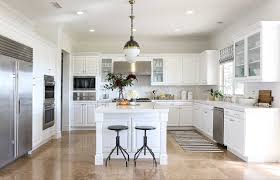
119	82
215	95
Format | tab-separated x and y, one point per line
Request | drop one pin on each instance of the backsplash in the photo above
144	89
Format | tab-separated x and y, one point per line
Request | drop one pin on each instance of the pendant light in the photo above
131	48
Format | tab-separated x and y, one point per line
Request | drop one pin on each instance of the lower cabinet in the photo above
83	115
179	115
234	131
203	118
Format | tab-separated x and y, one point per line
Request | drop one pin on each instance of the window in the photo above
227	84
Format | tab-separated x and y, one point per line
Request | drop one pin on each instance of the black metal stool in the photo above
145	146
118	128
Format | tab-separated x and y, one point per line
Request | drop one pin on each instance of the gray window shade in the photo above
226	54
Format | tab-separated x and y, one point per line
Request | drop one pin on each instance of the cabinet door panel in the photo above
189	69
173	67
186	116
90	110
91	65
173	116
239	61
196	116
78	65
78	115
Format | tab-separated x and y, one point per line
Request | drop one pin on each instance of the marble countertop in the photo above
232	106
139	107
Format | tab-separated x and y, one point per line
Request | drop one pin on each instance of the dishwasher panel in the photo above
218	125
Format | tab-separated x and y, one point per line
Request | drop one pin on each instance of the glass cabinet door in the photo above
157	70
240	59
106	68
254	54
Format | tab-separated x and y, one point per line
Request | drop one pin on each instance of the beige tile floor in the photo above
72	158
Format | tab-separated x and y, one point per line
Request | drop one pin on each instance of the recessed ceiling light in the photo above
189	12
91	30
134	30
177	30
80	12
220	22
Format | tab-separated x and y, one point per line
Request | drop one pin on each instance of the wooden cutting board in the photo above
265	96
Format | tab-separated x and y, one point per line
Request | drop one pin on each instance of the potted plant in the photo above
119	82
218	95
211	96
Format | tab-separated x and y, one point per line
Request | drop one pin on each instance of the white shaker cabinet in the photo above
173	70
173	116
189	69
85	65
185	114
158	71
83	115
208	68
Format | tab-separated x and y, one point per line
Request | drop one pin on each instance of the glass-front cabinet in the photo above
106	68
240	58
248	56
254	54
157	71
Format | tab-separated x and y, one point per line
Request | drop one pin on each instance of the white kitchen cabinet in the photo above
158	71
173	116
106	68
203	118
208	68
257	53
83	115
173	70
185	116
78	111
234	131
189	69
85	65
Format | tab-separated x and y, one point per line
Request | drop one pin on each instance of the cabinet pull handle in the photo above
231	120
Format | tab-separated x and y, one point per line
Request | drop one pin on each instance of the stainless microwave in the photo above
84	83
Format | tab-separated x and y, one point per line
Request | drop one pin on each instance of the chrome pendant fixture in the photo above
131	48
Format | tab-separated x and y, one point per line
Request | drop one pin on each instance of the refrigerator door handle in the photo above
19	106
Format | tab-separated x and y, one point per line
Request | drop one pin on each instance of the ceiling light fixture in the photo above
91	30
131	49
189	12
80	12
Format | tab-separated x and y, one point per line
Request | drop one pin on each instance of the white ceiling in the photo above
154	18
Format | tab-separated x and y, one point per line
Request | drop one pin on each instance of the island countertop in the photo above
139	107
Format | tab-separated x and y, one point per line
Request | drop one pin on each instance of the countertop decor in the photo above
119	82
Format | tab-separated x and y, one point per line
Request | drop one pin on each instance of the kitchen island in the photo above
142	114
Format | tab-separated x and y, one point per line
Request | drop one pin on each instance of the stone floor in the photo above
72	158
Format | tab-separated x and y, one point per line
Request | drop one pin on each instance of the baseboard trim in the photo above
180	128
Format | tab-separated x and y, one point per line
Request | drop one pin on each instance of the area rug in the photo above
192	141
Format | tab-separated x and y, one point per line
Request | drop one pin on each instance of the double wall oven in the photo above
49	102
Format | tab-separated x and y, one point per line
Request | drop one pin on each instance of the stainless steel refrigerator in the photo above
15	100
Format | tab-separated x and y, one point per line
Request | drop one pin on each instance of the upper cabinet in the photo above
106	68
173	67
208	68
158	77
186	69
257	53
85	65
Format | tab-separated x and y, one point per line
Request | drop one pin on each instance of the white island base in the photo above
131	140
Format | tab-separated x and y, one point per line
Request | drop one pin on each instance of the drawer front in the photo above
234	114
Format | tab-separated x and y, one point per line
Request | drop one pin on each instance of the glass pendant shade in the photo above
131	50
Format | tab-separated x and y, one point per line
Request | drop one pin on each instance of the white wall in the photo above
15	26
268	10
155	45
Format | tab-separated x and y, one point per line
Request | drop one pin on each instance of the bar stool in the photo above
118	128
145	145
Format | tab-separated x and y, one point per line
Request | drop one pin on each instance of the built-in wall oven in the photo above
84	88
49	102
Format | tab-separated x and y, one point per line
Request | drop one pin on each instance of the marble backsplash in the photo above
144	90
